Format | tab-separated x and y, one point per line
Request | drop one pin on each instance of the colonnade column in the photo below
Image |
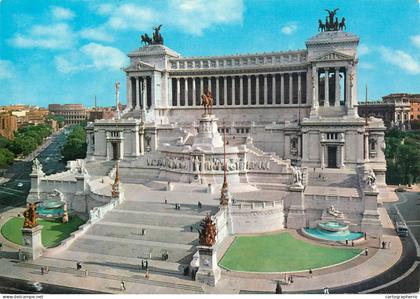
178	92
217	92
249	90
265	90
186	92
144	96
366	143
282	89
193	92
299	89
233	91
273	85
348	86
322	156
137	94
326	88
315	100
290	88
337	87
241	90
225	91
129	93
257	90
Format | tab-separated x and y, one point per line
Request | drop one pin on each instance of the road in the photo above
13	196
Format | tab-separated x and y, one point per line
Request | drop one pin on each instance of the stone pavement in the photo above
113	248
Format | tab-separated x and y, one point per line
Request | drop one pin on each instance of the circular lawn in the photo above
53	232
281	253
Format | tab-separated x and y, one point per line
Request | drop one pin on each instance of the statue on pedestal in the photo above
208	232
30	216
36	165
115	188
207	101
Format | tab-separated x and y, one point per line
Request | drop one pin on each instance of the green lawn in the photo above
52	232
281	253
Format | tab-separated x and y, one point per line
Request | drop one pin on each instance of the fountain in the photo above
332	231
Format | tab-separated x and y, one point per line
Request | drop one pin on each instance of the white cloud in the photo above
415	39
61	13
363	49
104	56
131	16
98	34
289	28
401	59
91	56
104	9
191	16
6	69
56	36
194	16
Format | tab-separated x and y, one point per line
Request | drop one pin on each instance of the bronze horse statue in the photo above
321	26
342	24
207	101
146	39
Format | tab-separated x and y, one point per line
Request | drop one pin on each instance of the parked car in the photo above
20	185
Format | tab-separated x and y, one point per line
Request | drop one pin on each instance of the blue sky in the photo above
69	51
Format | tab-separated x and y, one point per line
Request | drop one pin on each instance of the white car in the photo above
20	185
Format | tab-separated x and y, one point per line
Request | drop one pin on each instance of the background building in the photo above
394	109
8	125
73	114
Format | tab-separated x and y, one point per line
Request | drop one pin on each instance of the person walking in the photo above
366	252
278	288
146	265
352	243
326	290
383	244
86	273
347	242
310	273
389	245
42	270
191	228
122	286
146	275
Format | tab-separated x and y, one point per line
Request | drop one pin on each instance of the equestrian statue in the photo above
207	101
331	22
157	37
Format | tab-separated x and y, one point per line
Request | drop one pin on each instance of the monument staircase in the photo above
117	240
274	177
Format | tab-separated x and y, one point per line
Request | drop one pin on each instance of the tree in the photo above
6	157
75	146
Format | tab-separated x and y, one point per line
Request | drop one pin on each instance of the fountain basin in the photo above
333	226
332	231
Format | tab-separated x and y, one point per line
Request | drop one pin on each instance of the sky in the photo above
69	51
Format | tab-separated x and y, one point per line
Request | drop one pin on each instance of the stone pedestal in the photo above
32	245
208	135
371	223
296	218
208	271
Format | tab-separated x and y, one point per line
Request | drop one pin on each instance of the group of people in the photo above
44	270
352	243
177	206
144	265
385	245
165	255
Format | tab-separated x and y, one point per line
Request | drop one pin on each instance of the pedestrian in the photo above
291	279
366	252
143	231
314	169
1	246
191	228
47	269
146	264
326	290
86	273
278	288
352	243
383	244
347	242
389	245
42	270
78	265
200	205
142	264
122	286
166	201
365	236
146	275
310	273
